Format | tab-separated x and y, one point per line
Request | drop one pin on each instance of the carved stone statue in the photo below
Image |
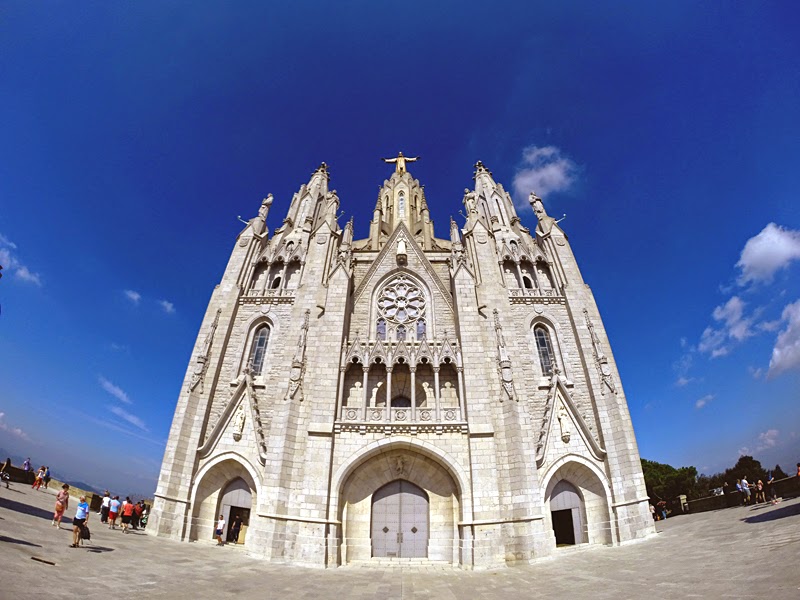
264	210
238	423
545	222
563	422
400	161
400	465
470	201
356	395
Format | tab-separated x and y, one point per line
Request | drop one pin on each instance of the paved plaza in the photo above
741	552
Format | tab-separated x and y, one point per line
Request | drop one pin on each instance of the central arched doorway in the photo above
400	513
566	509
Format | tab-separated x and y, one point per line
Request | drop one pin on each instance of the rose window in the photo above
401	302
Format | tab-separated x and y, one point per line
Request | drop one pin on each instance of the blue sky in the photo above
135	133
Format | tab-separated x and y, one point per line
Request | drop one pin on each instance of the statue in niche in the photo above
356	395
544	278
238	423
427	395
563	422
448	395
373	400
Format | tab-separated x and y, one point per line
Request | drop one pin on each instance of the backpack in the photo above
85	533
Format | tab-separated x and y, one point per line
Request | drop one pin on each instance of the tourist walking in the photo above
127	513
113	511
137	513
79	521
38	479
760	496
62	504
219	529
4	474
46	477
105	507
26	466
236	527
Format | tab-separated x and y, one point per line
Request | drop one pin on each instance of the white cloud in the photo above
703	401
543	170
786	353
26	274
684	381
133	296
736	327
768	439
129	417
168	306
774	248
114	390
12	430
10	262
755	372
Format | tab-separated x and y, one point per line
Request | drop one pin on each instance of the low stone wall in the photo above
784	488
20	476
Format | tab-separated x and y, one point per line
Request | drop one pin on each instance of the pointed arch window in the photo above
401	333
401	205
545	348
258	350
380	330
421	329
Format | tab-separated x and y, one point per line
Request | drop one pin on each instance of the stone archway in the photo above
210	495
416	474
575	493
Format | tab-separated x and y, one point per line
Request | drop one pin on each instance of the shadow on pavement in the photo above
98	549
778	513
26	509
16	541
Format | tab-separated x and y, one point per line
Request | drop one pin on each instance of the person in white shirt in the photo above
105	506
219	529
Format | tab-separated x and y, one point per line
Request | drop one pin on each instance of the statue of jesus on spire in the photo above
400	161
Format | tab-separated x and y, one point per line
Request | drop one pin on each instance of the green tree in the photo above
664	482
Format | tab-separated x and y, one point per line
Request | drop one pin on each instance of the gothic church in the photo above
402	396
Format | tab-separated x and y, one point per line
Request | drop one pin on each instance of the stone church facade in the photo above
402	395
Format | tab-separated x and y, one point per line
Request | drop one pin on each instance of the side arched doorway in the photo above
566	510
235	503
226	488
400	514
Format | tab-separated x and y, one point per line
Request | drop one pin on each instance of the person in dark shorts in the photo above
80	519
219	529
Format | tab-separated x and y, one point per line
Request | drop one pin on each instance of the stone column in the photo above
340	399
519	275
389	392
436	393
366	394
413	393
461	403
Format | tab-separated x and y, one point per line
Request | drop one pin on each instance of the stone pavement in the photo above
741	552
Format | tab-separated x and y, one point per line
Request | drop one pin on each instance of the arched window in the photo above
401	205
380	330
527	281
421	329
259	349
545	348
276	283
401	333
